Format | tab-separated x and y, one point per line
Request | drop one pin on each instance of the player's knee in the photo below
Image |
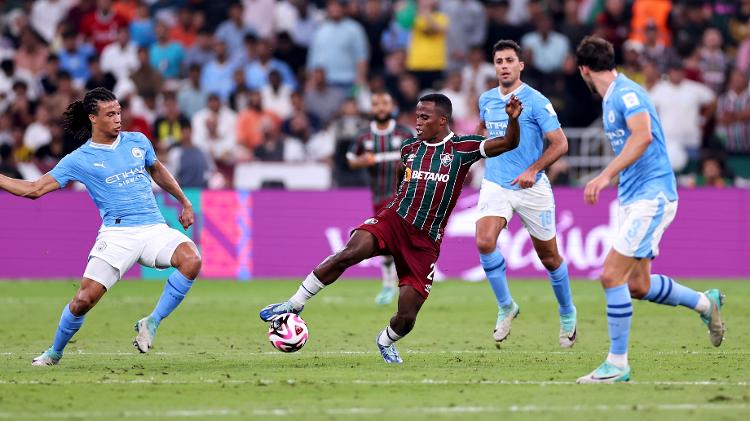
486	244
81	304
608	279
191	265
406	321
348	257
551	261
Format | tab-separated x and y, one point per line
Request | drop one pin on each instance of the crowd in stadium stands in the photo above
215	83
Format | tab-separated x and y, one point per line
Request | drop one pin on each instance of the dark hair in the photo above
596	53
76	117
506	44
441	102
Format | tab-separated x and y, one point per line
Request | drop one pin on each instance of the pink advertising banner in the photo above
280	234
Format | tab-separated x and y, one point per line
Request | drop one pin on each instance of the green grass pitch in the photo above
212	358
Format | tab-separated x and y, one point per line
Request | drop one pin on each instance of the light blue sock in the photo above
664	290
69	325
619	315
494	267
175	289
561	285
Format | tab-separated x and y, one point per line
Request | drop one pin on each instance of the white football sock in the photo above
390	278
388	336
704	304
310	286
620	361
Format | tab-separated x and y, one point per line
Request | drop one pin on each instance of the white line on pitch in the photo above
282	412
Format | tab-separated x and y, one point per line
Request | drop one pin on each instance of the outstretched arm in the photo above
639	140
29	189
498	145
164	179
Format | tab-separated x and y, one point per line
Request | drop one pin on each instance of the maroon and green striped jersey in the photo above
433	178
386	146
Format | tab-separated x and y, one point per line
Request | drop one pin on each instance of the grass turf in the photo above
212	358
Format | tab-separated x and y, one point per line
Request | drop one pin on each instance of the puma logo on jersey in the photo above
99	164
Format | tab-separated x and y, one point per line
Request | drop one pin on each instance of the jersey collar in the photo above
515	92
113	146
387	131
445	139
611	88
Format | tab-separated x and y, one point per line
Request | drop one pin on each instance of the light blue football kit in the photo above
133	229
535	206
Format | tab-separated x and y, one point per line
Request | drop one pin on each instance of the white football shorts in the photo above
535	206
122	247
641	226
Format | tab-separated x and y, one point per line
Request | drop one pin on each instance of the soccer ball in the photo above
288	333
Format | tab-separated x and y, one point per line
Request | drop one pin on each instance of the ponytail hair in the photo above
76	116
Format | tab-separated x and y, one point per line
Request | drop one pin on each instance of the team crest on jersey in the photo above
371	221
611	116
446	159
101	246
411	157
137	152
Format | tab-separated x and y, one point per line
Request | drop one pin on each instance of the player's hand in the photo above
593	187
187	217
526	179
368	159
514	107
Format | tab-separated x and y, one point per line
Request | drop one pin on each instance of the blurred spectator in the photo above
320	99
100	25
655	50
467	28
375	22
214	133
191	97
48	78
290	53
475	72
232	32
459	100
126	8
689	20
258	14
339	47
613	24
256	73
190	165
408	93
427	54
142	29
185	31
146	79
544	49
39	132
121	57
712	174
240	97
293	125
168	127
74	57
682	105
63	96
713	61
733	115
277	96
250	122
32	53
498	26
651	15
274	148
202	50
48	155
298	18
77	13
132	122
166	55
47	14
632	62
572	27
651	75
216	76
22	108
7	162
97	77
739	23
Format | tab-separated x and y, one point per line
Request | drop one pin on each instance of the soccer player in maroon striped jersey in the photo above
378	148
410	228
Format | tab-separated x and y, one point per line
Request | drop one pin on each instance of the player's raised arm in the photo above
636	144
29	189
164	179
498	145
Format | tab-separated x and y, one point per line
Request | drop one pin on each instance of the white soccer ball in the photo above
288	333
